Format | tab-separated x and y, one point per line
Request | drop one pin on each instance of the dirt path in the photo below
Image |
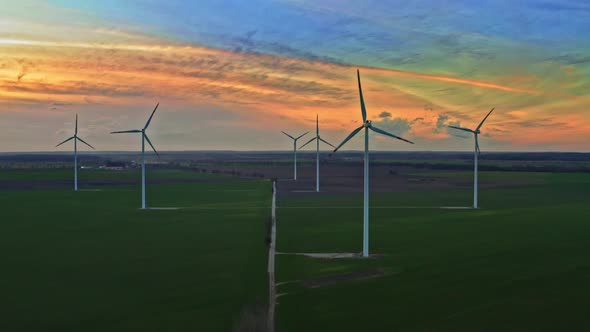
272	288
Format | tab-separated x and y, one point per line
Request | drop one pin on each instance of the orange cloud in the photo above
456	80
267	89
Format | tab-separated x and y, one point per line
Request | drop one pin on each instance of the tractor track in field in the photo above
272	287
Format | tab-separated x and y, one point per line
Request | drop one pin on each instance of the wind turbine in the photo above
367	126
76	139
144	138
475	133
294	152
317	138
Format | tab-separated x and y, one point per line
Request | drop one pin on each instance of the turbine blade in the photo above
311	140
464	129
363	109
330	144
76	131
150	143
81	140
69	139
125	131
477	146
484	119
151	116
383	132
301	135
317	125
288	135
349	137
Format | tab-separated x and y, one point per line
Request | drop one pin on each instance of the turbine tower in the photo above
367	126
76	139
317	138
294	152
144	138
476	152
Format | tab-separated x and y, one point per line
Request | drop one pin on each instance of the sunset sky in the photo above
232	74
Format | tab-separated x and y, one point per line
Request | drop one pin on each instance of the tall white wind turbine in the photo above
317	138
144	138
367	126
476	152
294	152
76	139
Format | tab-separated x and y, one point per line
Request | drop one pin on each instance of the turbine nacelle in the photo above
75	137
295	138
142	131
317	136
477	130
367	124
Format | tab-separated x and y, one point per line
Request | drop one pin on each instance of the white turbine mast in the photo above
144	138
76	138
367	125
317	138
476	153
294	152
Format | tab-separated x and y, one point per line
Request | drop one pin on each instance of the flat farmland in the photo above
93	261
520	263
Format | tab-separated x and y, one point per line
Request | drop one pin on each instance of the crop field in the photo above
520	263
93	261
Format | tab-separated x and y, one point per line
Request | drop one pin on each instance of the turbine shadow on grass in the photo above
342	277
329	255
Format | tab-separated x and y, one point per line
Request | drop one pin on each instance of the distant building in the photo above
114	166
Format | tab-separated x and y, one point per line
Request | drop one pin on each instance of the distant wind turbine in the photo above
294	152
366	125
144	138
317	138
76	139
475	133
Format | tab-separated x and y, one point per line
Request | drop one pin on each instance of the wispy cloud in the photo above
281	62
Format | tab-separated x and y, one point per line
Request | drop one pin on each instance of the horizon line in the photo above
286	151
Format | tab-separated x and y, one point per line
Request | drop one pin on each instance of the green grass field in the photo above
520	263
92	261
